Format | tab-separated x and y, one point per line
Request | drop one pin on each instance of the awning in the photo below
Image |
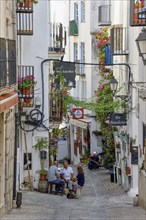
8	100
82	123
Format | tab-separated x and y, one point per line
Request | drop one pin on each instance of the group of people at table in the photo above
66	176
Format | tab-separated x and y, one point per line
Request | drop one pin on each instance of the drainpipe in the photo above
15	153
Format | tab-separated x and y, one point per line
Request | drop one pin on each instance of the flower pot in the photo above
43	186
65	91
27	100
28	4
43	177
26	91
127	170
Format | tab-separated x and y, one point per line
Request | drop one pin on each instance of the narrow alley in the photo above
101	200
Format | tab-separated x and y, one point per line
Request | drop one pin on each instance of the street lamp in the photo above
113	85
141	44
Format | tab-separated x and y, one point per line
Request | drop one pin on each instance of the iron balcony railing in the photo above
104	15
24	12
119	40
57	37
26	84
24	24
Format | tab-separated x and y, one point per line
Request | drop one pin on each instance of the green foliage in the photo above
43	172
56	133
26	82
41	144
108	161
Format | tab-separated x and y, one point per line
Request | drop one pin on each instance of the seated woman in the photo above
77	183
80	179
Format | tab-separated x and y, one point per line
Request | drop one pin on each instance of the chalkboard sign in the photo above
134	155
67	70
118	119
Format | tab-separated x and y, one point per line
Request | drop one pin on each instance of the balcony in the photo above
137	13
24	7
24	24
7	65
26	83
104	15
119	40
57	40
73	28
56	107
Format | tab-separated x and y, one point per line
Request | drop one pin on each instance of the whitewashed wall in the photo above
34	50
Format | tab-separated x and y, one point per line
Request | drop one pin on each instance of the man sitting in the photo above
68	175
54	177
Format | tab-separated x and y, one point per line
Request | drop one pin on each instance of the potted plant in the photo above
127	170
41	145
26	3
83	158
43	174
25	84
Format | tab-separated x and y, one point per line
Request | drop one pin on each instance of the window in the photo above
82	58
76	18
75	51
7	62
76	91
84	90
82	11
137	13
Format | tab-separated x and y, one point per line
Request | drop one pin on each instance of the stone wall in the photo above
7	144
142	189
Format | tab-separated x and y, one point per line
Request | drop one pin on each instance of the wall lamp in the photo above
141	44
114	85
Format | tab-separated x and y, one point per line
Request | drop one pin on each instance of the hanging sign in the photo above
118	119
68	72
78	113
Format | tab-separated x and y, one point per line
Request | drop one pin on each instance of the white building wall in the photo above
33	50
121	15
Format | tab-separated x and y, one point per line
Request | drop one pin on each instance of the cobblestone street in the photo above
101	200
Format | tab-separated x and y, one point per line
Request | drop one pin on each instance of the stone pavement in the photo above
101	200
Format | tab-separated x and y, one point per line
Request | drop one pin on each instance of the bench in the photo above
50	188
